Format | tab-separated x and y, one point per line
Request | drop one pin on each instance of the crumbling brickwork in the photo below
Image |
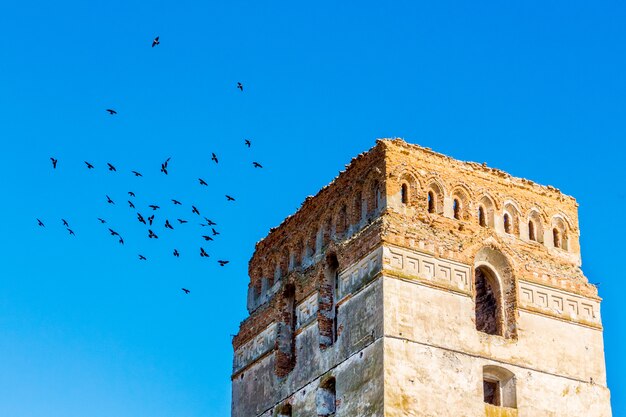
405	278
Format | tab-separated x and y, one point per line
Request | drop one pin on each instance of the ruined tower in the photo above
418	285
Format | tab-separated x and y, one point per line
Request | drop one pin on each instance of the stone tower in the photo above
418	285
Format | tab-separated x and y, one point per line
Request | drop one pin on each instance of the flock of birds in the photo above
148	221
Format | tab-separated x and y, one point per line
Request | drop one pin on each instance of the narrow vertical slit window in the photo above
405	194
531	231
481	216
456	206
431	202
507	223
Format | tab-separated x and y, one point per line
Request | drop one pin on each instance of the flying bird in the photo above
137	174
65	223
140	218
176	253
102	220
215	232
89	166
130	193
121	240
202	182
247	143
150	219
168	225
111	167
109	200
152	235
207	238
40	223
203	253
257	165
142	258
240	86
186	290
195	210
229	198
113	232
181	221
214	157
54	162
210	222
71	232
164	168
155	42
111	112
176	202
222	263
130	204
154	207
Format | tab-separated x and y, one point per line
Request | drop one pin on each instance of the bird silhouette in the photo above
102	220
140	218
130	193
121	240
142	258
40	223
210	222
195	210
130	204
222	263
113	232
202	182
164	169
203	253
214	157
152	235
111	111
150	219
176	202
185	290
181	221
176	253
54	162
71	232
229	198
137	174
215	232
65	223
154	207
109	200
155	42
207	238
247	143
111	167
240	86
89	166
257	165
168	225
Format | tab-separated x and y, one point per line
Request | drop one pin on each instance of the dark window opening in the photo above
286	338
507	223
431	202
326	398
531	231
491	391
487	308
284	411
405	194
481	216
556	237
456	206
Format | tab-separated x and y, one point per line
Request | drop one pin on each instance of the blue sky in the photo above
536	89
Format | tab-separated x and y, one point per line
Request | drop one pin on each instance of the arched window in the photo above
341	223
488	304
431	202
481	217
499	387
326	398
405	194
285	359
456	207
326	303
559	233
531	231
507	223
